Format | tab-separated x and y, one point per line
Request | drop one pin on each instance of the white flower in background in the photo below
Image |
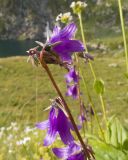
26	139
15	128
78	6
9	128
72	4
13	124
2	128
10	137
58	18
20	142
27	129
35	133
10	151
64	18
23	141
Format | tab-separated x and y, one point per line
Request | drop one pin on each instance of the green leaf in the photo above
116	134
105	151
99	86
126	75
125	144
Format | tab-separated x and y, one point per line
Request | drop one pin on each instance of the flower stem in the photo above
78	86
45	66
82	31
91	67
92	105
124	34
103	108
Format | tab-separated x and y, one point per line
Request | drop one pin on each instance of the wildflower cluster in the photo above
19	142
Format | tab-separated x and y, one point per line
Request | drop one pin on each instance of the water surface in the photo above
15	48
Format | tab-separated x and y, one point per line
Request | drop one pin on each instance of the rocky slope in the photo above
26	19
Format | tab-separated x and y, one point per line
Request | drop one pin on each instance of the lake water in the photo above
15	48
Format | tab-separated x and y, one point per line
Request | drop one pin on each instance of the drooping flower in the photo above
72	91
57	118
73	151
66	151
72	76
86	113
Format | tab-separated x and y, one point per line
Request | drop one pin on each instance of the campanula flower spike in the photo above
60	47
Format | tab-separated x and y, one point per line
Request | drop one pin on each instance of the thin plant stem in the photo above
91	67
79	96
123	33
45	66
103	107
92	105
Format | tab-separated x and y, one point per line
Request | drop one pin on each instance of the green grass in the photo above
19	82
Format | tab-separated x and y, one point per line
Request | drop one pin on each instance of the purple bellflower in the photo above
67	43
72	91
59	47
72	152
71	76
57	123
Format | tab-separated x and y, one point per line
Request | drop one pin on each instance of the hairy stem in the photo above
45	66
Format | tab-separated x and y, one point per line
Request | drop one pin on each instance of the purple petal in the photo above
79	156
72	75
66	151
67	32
55	34
43	125
52	130
82	118
72	91
67	47
64	128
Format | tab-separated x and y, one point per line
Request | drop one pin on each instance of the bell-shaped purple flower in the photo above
67	44
72	152
65	152
72	91
72	76
57	123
